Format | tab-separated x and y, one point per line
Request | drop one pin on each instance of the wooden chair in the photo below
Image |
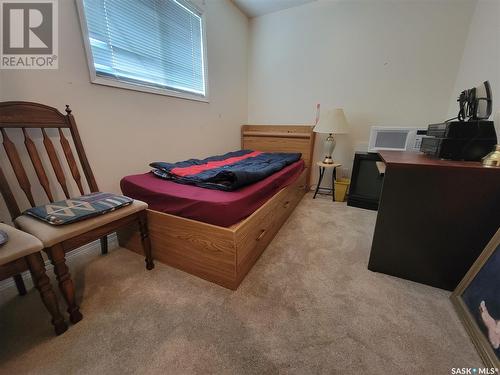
58	240
23	251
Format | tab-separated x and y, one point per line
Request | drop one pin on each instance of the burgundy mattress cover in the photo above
223	208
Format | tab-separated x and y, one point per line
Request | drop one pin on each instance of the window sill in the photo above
148	89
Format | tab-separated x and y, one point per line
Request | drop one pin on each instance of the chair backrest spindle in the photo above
54	161
10	201
17	166
37	164
71	161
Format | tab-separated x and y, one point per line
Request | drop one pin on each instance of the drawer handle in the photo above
287	203
262	233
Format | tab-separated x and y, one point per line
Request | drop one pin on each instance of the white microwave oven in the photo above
387	138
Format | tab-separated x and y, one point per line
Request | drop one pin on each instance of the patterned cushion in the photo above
53	234
4	237
77	209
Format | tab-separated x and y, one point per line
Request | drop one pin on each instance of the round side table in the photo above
322	168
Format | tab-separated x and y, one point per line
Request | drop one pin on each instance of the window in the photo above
147	45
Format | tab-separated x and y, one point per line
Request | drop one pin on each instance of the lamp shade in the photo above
334	122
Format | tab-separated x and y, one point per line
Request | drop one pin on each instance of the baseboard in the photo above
80	252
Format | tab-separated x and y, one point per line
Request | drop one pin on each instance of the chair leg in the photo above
21	288
42	283
104	245
146	242
56	255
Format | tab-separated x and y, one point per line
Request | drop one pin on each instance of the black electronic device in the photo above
366	181
464	140
475	103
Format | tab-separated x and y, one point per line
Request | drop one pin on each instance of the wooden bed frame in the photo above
225	255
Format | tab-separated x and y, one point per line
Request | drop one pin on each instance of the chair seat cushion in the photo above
80	208
19	245
52	234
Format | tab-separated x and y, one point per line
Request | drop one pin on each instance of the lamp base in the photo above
327	160
328	148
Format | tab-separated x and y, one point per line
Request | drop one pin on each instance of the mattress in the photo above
222	208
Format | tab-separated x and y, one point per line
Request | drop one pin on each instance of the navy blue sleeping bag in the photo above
227	172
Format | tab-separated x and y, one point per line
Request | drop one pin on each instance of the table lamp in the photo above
333	123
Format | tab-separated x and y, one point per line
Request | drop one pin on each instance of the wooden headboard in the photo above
281	138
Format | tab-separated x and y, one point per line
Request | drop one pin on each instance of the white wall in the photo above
481	56
384	62
122	130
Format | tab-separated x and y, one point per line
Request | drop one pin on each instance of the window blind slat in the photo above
157	42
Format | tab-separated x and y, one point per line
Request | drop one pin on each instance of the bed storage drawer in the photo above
255	233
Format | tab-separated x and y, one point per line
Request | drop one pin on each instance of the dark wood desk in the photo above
434	218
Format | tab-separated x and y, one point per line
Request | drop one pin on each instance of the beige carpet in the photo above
309	306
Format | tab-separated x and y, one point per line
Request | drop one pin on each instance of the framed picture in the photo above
477	301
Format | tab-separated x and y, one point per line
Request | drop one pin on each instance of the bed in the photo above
223	251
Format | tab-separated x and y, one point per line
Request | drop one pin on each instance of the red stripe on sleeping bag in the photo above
195	169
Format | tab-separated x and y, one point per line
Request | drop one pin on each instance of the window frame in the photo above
115	82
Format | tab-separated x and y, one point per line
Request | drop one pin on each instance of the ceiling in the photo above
255	8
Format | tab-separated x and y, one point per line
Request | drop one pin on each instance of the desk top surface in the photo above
418	158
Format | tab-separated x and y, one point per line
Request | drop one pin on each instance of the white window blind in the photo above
155	43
